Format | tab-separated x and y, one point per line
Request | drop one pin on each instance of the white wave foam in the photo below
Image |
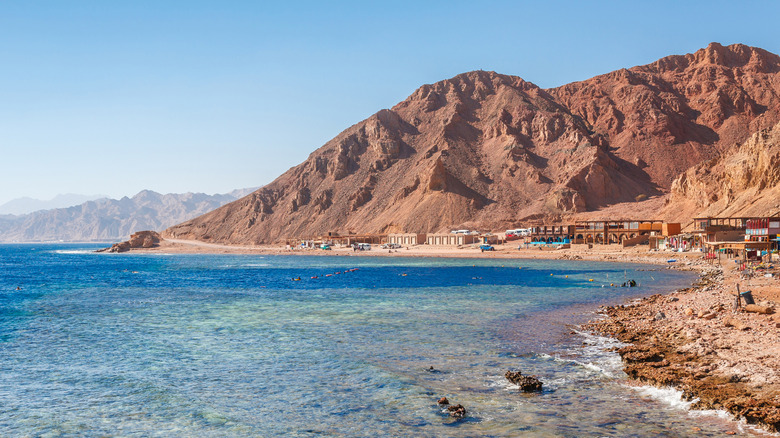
593	367
589	366
674	399
74	251
600	350
596	354
500	382
669	396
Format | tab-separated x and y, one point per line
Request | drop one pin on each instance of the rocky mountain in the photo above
742	181
111	219
486	150
680	110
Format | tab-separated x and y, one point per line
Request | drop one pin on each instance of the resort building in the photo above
490	239
743	237
336	239
718	229
551	234
406	238
628	231
450	239
762	229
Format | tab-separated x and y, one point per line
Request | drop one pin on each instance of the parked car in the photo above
486	248
325	246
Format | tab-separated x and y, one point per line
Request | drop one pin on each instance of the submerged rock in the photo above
526	383
443	401
457	411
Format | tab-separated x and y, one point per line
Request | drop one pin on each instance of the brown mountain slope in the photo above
680	110
486	150
743	181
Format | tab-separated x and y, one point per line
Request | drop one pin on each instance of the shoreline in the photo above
689	339
694	341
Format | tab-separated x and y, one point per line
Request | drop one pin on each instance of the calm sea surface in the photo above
230	345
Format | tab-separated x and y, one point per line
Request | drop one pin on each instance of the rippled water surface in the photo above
230	345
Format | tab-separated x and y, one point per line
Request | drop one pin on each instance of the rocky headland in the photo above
138	240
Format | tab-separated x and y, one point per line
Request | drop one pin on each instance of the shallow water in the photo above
231	345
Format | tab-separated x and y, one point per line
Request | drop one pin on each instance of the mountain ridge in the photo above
488	150
108	219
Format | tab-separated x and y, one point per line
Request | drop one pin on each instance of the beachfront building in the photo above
718	229
451	239
490	239
626	232
550	234
746	250
742	237
334	238
764	229
406	238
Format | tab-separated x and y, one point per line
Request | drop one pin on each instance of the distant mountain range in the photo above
28	205
111	219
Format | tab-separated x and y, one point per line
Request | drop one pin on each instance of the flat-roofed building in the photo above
619	231
551	233
406	238
451	239
719	229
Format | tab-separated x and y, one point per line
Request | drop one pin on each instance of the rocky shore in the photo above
695	340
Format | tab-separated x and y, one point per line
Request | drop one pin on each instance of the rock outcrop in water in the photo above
526	383
141	239
457	411
487	150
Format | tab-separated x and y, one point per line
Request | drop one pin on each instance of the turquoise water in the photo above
230	345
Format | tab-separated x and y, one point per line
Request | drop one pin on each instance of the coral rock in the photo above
526	383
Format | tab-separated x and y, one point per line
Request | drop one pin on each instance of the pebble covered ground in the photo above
696	340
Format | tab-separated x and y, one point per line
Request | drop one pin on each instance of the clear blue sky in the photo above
115	97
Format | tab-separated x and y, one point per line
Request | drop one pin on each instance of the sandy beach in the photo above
692	339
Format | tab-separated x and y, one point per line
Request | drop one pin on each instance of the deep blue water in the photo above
231	345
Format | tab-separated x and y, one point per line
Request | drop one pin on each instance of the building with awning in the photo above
763	230
744	250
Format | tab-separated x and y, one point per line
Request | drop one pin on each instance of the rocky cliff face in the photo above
110	219
743	181
487	150
680	110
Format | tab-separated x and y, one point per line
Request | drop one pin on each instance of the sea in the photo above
185	345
